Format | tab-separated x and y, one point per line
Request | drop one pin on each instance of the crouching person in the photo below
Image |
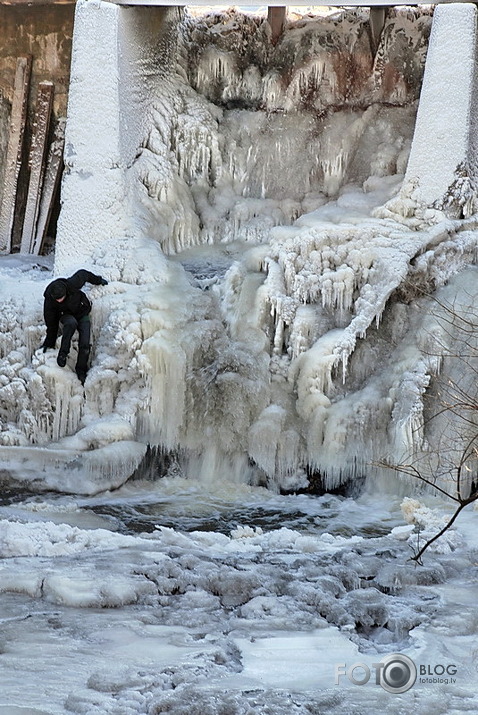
67	305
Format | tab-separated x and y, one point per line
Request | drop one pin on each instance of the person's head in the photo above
58	291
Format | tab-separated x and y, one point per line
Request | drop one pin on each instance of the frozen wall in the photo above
237	112
177	108
44	32
163	95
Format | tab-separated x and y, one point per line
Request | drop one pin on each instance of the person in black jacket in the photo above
65	303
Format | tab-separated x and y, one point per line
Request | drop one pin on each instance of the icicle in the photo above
165	369
279	337
264	437
273	91
67	410
112	464
305	80
217	68
304	330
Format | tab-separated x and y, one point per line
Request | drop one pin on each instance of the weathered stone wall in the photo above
45	32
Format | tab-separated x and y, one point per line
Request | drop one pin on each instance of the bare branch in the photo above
460	508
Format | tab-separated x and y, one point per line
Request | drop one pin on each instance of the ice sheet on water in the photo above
251	620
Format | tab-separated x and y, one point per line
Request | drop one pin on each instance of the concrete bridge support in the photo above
445	143
117	54
276	17
378	15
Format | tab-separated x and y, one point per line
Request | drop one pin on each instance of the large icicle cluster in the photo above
164	371
316	353
318	63
48	433
353	343
220	162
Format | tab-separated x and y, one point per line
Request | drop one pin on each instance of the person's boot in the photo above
81	367
61	359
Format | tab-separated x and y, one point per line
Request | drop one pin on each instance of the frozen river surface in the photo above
167	597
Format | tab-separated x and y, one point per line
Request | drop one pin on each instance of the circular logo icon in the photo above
398	673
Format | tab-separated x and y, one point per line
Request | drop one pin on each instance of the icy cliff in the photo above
270	314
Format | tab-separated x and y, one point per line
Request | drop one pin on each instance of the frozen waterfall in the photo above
274	245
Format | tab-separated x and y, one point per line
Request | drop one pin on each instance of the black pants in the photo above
70	324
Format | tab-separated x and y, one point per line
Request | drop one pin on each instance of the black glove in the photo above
103	282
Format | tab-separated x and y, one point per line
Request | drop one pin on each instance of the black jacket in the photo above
75	303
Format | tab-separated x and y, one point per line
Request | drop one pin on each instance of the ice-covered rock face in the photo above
319	63
308	344
248	134
251	137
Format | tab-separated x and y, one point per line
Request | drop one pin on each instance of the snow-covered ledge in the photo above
444	150
68	471
116	53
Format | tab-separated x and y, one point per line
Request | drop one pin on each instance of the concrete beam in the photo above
378	16
222	3
34	3
281	3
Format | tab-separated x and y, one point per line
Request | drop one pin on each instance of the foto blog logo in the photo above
396	673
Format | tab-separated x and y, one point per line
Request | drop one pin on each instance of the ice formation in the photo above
252	620
270	311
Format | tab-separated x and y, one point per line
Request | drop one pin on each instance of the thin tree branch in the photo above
464	503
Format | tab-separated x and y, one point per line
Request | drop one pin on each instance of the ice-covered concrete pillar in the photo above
444	144
117	55
93	190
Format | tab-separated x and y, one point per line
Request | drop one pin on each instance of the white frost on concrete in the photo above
114	60
93	187
443	142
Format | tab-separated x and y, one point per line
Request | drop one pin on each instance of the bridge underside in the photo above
221	3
